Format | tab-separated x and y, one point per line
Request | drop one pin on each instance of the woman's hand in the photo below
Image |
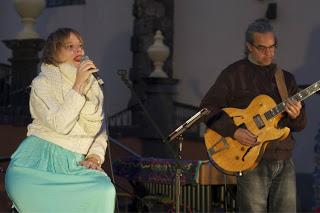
84	71
91	163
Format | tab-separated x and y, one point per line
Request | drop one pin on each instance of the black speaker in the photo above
271	11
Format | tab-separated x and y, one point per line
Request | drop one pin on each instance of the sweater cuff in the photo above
75	99
222	124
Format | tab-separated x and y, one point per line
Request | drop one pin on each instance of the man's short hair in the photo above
258	26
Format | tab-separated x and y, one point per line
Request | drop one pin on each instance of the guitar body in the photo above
229	155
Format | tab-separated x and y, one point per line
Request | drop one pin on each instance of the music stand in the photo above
177	135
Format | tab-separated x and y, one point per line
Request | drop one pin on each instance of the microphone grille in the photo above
84	58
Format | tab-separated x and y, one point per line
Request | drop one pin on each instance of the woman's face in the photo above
71	51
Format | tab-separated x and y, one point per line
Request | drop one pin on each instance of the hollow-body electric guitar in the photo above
261	118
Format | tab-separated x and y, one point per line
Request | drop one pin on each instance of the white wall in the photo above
209	35
106	26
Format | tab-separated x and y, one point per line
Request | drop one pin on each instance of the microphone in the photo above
95	74
190	122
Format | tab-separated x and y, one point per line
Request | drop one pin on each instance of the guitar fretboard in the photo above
303	94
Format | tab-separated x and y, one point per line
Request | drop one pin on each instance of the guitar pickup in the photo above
258	121
219	146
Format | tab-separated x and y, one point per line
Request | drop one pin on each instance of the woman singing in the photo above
57	168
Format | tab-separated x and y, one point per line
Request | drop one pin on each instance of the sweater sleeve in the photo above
99	145
58	116
215	99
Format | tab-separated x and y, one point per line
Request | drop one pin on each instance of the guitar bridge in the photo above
219	146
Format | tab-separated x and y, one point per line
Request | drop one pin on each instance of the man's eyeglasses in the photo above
73	47
264	49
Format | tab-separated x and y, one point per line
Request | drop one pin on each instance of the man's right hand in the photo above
245	137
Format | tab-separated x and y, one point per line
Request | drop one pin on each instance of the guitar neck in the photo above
300	96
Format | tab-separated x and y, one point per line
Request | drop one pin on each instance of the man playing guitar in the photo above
269	186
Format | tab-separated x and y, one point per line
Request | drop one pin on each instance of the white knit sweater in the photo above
56	110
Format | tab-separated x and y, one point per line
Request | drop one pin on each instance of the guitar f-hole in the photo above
246	153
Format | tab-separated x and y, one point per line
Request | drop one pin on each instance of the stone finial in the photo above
158	52
28	10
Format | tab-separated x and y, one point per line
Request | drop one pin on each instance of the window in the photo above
57	3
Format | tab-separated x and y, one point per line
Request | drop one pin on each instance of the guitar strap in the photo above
281	84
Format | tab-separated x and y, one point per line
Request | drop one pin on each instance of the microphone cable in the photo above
106	116
110	158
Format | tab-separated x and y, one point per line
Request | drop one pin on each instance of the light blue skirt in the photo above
44	177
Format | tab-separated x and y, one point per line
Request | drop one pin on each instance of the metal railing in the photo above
122	118
182	113
197	197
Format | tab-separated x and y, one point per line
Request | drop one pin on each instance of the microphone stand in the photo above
176	134
124	78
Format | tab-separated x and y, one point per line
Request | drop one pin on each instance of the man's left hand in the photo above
293	108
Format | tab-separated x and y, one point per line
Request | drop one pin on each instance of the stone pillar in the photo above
24	63
150	16
160	105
